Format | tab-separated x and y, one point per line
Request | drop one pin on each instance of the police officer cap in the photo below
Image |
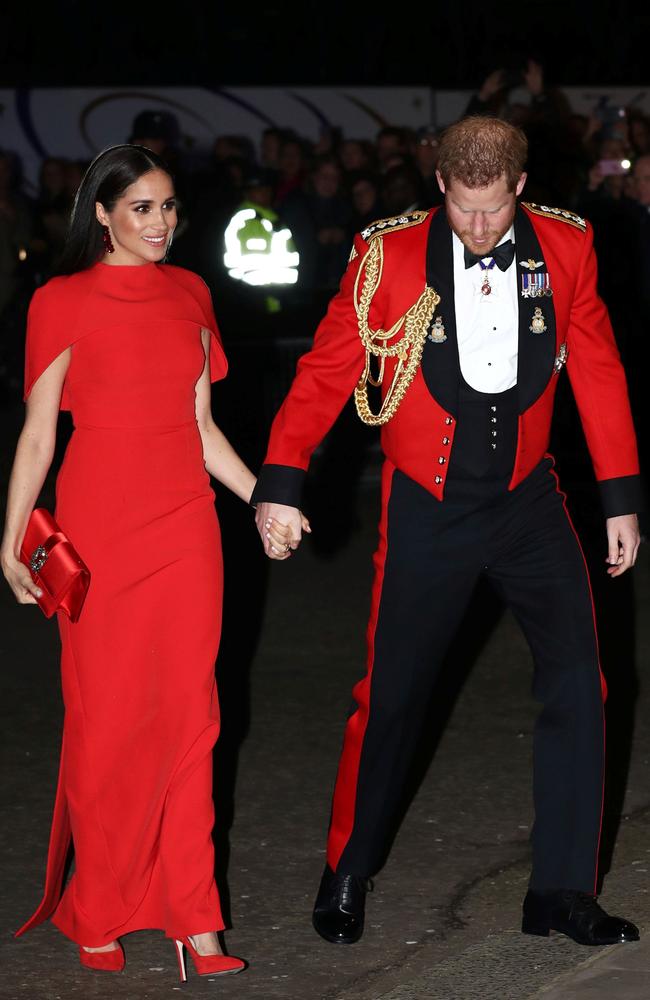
154	125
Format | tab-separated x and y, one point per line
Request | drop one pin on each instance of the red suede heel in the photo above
105	961
205	965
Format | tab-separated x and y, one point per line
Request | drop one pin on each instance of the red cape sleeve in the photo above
218	361
52	327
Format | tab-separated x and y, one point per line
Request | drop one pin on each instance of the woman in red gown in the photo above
130	345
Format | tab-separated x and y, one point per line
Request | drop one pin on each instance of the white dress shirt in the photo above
487	325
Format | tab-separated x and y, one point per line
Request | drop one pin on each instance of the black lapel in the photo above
536	350
440	364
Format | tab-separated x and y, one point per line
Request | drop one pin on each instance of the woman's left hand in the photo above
281	544
279	536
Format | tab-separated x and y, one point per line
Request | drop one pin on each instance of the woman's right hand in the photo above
20	580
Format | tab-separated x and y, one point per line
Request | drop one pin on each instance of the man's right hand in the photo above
280	528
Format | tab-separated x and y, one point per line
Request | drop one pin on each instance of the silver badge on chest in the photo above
538	323
437	333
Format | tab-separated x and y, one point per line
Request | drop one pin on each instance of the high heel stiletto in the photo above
205	965
105	961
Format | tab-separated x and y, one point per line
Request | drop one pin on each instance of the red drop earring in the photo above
108	243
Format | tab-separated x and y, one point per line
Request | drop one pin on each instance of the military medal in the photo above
538	323
534	286
437	333
486	287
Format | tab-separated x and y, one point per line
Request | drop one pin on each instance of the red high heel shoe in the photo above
106	961
206	965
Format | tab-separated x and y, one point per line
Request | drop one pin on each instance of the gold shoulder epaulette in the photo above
392	224
562	214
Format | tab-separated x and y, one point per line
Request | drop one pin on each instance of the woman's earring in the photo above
108	243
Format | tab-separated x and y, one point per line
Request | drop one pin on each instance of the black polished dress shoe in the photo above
576	914
339	907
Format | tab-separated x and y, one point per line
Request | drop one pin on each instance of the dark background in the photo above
445	45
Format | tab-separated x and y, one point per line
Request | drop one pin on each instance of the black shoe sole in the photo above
543	930
336	938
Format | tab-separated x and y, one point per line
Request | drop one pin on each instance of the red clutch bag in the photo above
55	566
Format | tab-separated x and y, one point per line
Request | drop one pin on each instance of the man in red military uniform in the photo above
466	316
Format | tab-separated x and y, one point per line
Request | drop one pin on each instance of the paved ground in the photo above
443	919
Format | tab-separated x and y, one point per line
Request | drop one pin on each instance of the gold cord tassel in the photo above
408	349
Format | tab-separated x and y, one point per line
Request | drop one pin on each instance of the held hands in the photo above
20	580
280	529
623	540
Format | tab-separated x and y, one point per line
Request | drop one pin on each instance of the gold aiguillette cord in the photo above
408	349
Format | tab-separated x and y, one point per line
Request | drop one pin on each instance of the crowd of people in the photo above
327	190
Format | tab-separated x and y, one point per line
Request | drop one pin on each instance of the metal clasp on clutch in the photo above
38	559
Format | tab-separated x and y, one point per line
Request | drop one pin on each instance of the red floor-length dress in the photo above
141	710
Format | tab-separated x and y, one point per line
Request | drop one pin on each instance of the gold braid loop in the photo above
408	349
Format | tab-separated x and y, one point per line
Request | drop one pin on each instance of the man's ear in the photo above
520	184
441	183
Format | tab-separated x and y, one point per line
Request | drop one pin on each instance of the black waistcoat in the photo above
486	434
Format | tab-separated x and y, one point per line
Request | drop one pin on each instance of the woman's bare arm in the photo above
33	459
221	459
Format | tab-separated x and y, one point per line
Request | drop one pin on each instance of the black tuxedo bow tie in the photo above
503	256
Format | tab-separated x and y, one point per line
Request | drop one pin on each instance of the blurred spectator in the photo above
319	218
232	173
641	177
614	217
494	95
356	154
639	133
606	178
52	211
425	156
52	181
392	147
366	204
555	159
259	250
74	171
403	190
292	168
328	141
157	130
160	132
270	146
233	147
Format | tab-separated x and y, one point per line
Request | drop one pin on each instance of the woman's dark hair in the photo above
105	181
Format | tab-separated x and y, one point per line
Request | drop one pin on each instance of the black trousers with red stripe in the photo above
429	559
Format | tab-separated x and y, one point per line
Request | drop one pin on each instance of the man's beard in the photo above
492	238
